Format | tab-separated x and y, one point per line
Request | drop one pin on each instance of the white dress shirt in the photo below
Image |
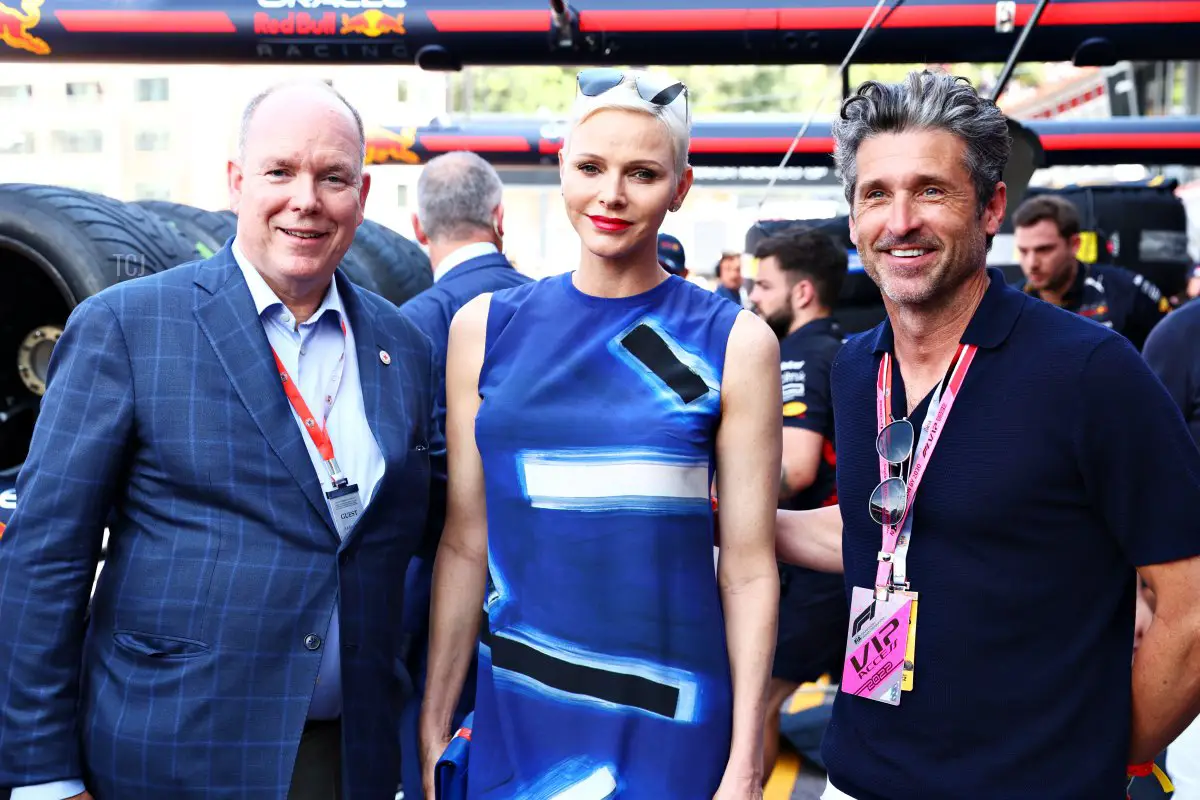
462	254
310	352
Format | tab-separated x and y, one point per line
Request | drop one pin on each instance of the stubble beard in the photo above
1061	280
940	283
780	322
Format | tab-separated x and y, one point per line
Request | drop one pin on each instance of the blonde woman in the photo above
587	414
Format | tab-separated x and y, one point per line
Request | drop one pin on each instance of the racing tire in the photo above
400	266
59	246
358	272
209	230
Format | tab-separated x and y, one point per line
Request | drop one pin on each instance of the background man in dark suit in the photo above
460	218
261	431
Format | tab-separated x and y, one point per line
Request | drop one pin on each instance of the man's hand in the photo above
740	784
432	748
84	796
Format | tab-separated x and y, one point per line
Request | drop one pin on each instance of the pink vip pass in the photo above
880	645
876	645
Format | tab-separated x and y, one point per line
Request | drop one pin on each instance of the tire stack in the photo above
59	246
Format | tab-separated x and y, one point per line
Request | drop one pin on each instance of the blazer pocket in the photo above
157	646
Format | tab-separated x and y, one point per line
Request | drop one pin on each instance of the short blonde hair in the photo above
676	115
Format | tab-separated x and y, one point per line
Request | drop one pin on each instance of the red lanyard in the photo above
318	432
924	444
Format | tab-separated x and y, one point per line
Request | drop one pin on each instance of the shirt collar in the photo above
265	299
461	255
989	327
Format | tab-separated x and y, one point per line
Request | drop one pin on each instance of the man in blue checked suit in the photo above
460	217
260	431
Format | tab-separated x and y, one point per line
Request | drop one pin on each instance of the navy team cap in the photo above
670	254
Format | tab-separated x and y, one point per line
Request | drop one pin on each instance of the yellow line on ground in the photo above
783	779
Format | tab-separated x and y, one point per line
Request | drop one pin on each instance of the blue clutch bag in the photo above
450	775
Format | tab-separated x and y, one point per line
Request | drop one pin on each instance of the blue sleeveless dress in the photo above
603	670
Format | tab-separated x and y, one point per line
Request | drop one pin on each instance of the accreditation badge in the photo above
346	506
876	645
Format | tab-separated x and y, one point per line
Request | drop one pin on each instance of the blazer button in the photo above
312	641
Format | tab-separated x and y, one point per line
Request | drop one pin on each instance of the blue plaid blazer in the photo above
192	674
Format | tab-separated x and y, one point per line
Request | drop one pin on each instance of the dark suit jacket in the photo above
193	677
433	309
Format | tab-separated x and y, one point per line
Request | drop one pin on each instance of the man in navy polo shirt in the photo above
1054	468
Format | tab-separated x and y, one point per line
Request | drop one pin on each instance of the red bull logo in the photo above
373	23
388	147
15	27
296	23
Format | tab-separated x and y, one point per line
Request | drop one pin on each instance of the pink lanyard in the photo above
924	444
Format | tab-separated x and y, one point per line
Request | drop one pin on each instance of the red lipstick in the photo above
611	224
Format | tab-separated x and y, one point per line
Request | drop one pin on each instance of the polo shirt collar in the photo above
989	327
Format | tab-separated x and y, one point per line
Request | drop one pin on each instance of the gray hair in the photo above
925	101
457	194
257	100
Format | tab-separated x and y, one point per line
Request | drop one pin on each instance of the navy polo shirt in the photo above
1172	354
806	358
1062	466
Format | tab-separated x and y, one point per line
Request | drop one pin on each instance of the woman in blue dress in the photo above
587	415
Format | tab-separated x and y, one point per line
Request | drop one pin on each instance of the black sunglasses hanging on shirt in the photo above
895	445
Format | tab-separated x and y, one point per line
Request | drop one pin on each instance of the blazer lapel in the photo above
228	318
381	385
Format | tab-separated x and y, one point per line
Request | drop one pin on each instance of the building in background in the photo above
145	131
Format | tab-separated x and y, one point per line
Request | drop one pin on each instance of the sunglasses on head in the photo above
652	89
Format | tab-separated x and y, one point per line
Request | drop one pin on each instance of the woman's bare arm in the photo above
749	443
460	571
